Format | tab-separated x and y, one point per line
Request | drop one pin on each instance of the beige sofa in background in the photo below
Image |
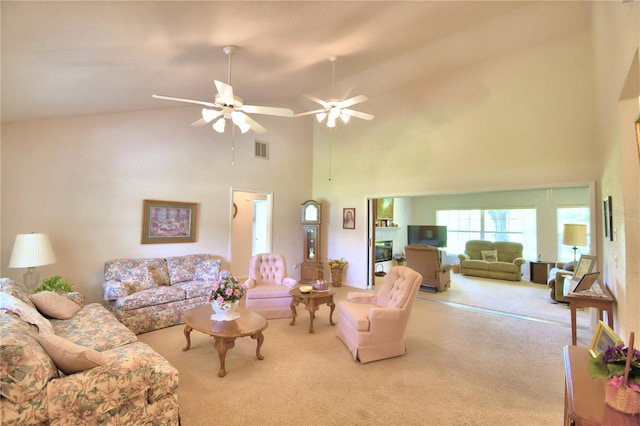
506	265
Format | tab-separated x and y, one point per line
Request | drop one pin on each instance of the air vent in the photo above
262	150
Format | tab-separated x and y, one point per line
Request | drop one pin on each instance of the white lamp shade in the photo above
574	234
30	250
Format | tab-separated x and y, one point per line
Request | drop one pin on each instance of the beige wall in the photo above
82	180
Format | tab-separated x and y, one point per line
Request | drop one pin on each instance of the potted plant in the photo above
400	258
55	283
620	367
337	266
225	297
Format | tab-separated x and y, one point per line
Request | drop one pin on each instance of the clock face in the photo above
310	212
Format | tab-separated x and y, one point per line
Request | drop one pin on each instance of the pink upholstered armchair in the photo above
426	261
269	286
373	325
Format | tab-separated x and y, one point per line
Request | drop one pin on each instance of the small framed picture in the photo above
602	339
349	218
585	266
168	222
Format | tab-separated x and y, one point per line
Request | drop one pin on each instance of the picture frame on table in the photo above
168	222
603	337
585	266
608	220
349	218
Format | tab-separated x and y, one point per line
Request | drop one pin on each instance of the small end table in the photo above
601	303
539	271
311	301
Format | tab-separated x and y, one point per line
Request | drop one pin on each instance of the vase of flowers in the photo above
225	297
337	266
620	367
400	258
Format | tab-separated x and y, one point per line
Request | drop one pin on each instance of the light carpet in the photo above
509	297
463	367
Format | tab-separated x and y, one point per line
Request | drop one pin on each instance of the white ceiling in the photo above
87	57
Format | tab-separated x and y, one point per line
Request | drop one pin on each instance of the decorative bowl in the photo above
305	289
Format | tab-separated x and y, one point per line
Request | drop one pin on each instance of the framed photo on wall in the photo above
384	209
608	220
168	222
349	218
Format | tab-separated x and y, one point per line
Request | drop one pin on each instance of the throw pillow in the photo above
54	305
490	255
160	275
69	357
569	266
207	270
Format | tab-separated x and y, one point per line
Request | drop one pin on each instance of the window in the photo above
572	214
516	225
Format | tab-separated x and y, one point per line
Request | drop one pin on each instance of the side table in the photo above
539	271
581	300
311	301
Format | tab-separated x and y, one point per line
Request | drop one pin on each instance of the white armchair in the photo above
373	325
269	286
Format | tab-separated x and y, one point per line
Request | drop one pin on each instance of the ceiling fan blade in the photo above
280	112
310	112
225	92
190	101
255	126
352	101
319	101
200	122
363	115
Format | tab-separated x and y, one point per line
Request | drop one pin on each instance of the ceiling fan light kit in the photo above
227	106
334	108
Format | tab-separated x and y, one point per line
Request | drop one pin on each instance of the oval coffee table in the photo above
225	333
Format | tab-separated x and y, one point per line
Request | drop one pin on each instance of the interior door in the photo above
251	228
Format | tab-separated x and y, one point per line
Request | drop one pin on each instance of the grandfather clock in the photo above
311	222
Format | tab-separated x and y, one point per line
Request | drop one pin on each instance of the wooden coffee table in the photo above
311	301
225	333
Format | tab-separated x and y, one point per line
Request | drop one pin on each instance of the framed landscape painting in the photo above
385	209
168	222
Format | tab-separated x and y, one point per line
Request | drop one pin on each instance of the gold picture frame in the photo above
168	222
384	209
603	338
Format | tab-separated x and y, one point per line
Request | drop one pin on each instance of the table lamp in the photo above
574	235
29	251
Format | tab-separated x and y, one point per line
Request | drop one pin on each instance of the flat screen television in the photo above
427	235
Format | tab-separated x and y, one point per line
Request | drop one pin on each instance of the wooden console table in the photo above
584	396
577	300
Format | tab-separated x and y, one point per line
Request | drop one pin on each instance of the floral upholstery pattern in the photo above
143	307
139	386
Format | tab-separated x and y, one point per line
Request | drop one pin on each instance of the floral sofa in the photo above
149	294
82	368
500	260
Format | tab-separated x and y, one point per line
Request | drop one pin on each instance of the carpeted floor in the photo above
464	366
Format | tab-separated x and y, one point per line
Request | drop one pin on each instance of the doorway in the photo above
250	228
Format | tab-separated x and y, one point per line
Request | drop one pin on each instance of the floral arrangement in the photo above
400	257
337	263
226	289
611	364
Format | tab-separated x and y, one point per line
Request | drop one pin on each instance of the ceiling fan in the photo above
333	108
228	106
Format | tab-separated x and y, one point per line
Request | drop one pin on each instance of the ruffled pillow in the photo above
25	312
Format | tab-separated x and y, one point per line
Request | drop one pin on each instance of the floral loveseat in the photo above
149	294
87	369
500	260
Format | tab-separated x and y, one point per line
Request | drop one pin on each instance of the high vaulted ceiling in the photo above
87	57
